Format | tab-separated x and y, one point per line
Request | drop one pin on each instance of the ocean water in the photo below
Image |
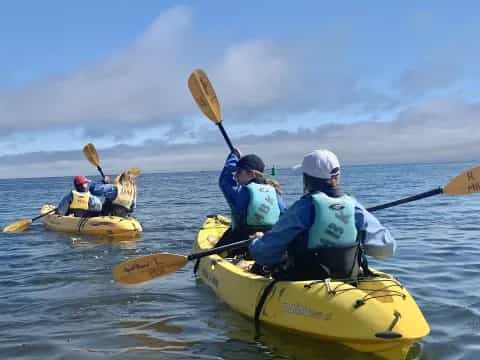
58	300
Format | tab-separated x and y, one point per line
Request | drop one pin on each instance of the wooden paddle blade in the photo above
202	91
466	183
135	171
148	267
91	154
18	226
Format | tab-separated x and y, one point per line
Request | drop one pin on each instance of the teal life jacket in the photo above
262	213
334	224
331	248
263	209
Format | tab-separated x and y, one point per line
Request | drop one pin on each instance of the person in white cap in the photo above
325	234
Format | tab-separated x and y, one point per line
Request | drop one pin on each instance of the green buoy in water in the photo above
274	171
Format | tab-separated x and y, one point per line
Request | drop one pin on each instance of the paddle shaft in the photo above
237	245
423	195
100	171
48	212
245	243
225	136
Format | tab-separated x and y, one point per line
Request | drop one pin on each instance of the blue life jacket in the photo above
331	247
334	224
263	209
262	213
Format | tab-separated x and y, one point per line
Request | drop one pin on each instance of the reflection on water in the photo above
58	299
93	241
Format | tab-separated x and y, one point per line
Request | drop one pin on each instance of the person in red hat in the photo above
79	202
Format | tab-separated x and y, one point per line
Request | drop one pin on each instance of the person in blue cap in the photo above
325	234
255	201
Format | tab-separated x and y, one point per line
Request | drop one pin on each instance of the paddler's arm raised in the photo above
378	242
236	195
108	191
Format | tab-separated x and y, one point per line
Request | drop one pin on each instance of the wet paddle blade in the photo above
18	226
135	171
202	91
91	154
465	183
145	268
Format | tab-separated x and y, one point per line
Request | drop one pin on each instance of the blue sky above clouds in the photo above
373	81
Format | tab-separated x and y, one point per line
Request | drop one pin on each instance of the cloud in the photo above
427	77
440	130
254	75
144	85
263	79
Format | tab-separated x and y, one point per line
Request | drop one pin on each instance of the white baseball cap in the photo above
321	164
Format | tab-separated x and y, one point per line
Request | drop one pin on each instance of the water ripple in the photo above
59	302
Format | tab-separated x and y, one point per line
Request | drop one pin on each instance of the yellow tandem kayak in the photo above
377	315
110	226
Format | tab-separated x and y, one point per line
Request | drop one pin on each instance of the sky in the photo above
373	81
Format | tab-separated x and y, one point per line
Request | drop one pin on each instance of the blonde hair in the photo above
271	182
127	181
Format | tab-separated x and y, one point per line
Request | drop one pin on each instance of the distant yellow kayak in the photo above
111	226
377	315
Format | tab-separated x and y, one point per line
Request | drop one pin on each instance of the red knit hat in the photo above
79	180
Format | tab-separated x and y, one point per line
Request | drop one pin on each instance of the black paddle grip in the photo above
101	171
225	136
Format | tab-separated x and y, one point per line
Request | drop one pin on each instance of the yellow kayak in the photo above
111	226
378	315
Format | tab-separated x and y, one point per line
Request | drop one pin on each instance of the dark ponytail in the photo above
313	184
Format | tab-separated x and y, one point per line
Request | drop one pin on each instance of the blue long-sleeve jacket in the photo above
107	192
237	195
94	204
271	248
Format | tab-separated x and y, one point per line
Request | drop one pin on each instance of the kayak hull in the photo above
378	315
109	226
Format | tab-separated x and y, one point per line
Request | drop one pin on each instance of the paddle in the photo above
24	224
92	155
204	95
135	171
465	183
148	267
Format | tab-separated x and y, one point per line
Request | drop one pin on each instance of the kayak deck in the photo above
376	315
109	226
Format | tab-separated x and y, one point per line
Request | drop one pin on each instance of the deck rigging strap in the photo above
258	310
